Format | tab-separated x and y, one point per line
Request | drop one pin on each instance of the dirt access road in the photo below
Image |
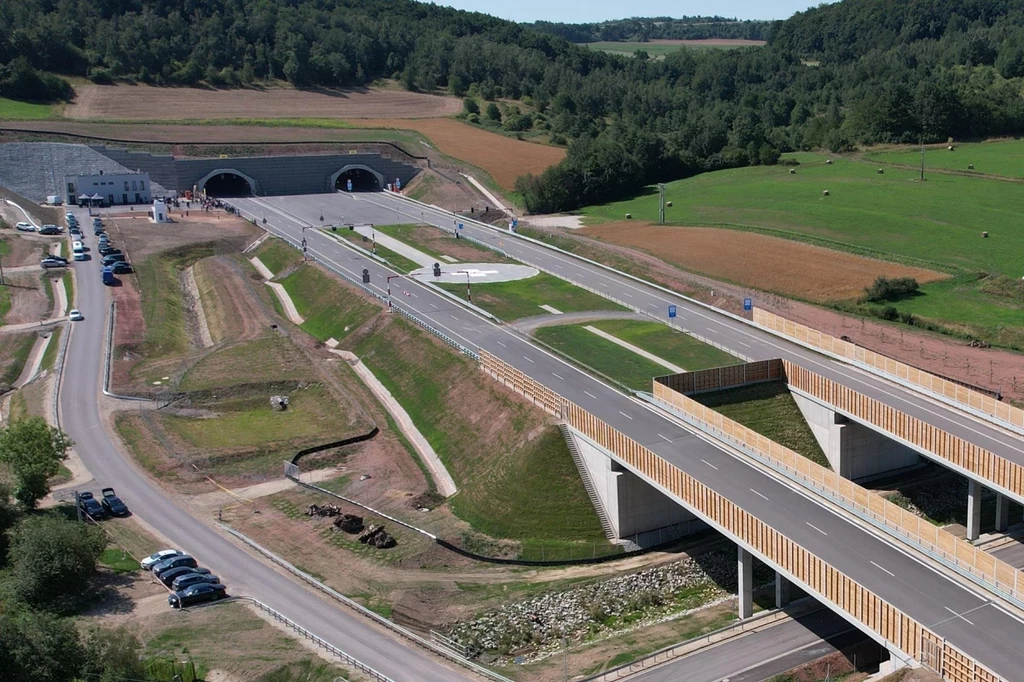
148	103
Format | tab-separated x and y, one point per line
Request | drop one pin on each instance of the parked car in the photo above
107	249
168	577
90	505
157	557
49	229
113	258
25	227
197	594
75	230
53	262
173	562
97	231
121	268
193	578
112	503
75	315
108	276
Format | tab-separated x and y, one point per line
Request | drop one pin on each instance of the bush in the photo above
470	106
52	559
890	313
493	112
19	80
473	118
891	289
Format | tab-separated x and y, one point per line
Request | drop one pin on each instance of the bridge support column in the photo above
744	583
781	590
1002	512
973	510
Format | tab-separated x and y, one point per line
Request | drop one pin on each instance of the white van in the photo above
78	249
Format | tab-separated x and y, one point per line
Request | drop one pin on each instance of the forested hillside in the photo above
657	28
858	71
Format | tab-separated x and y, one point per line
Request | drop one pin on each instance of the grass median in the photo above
523	298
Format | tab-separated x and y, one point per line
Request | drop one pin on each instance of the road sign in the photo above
671	311
348	183
748	304
398	183
461	226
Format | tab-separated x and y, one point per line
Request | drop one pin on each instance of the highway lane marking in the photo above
454	318
883	569
434	306
627	295
667	440
759	494
501	344
558	377
710	464
816	528
591	395
745	345
528	359
625	415
960	616
653	305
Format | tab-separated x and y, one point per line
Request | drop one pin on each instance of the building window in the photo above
124	198
142	185
134	185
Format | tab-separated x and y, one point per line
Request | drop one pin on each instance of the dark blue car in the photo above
197	594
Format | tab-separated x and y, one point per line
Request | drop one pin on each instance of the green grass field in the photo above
267	360
162	302
277	255
515	300
118	561
50	356
411	235
12	110
397	261
938	221
331	310
652	49
770	410
1002	158
668	344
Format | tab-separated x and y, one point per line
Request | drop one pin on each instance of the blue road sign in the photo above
671	311
349	185
461	226
748	304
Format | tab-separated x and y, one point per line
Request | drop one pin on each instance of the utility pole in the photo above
661	203
922	157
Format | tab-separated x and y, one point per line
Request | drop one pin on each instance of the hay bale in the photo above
792	171
970	166
881	171
825	193
668	204
629	216
951	148
828	162
984	235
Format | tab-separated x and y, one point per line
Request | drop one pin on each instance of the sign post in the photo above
748	304
671	311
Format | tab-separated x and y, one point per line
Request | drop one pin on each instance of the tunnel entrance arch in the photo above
227	182
364	179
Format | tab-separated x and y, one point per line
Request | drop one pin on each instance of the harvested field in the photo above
28	299
148	103
768	263
18	250
504	158
712	42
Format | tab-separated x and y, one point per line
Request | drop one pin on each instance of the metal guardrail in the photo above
377	618
319	641
928	549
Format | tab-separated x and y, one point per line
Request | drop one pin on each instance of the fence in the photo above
718	378
893	519
948	391
815	575
957	451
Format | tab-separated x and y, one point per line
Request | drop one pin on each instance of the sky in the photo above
586	11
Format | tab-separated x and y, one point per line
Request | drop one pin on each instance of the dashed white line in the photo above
501	344
434	305
667	440
603	284
591	395
710	464
627	295
745	345
454	318
758	494
625	415
558	377
527	359
881	568
816	528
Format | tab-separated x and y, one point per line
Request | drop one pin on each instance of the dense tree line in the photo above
642	29
858	71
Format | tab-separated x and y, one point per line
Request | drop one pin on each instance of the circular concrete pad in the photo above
479	273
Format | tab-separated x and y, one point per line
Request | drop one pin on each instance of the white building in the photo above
116	189
160	212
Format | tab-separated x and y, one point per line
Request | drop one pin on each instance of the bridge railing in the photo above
814	575
962	556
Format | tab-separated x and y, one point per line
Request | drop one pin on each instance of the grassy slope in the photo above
267	360
509	486
5	302
13	110
523	298
611	360
992	158
50	356
162	303
770	410
14	352
277	255
331	311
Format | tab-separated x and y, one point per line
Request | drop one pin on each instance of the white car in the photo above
157	557
25	227
75	315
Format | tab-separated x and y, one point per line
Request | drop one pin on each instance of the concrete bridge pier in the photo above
973	510
781	590
854	451
744	583
1002	512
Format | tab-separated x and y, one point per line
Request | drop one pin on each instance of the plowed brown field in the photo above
505	158
756	260
147	103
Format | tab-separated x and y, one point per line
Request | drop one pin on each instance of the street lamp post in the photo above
373	239
306	227
469	290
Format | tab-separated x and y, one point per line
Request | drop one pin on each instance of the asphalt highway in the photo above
241	572
970	621
742	339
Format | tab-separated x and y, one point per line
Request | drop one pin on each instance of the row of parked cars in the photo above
45	229
190	583
107	505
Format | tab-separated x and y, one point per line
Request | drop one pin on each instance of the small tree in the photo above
493	112
38	647
112	655
33	450
52	559
470	106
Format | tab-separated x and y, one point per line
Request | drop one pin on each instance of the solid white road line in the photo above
883	569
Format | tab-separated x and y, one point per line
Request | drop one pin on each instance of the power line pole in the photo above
922	157
661	203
